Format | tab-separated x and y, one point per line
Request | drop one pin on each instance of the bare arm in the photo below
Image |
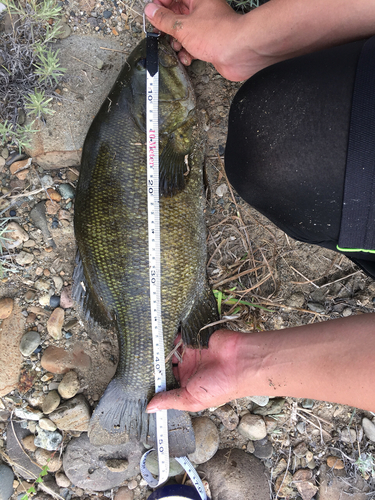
331	361
240	45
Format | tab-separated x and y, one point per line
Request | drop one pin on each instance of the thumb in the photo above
163	19
178	399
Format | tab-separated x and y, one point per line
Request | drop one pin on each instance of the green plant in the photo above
30	68
366	464
39	479
222	298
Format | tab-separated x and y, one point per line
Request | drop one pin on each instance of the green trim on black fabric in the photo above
354	250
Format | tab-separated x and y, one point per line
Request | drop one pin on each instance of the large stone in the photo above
6	482
55	323
6	307
23	465
206	440
45	457
11	331
57	360
47	440
228	416
235	475
368	429
337	488
85	464
72	415
69	386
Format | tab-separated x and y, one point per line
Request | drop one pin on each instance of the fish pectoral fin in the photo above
172	166
87	299
195	332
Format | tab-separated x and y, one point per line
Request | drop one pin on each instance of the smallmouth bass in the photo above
111	281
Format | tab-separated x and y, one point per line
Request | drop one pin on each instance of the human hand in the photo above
208	377
209	30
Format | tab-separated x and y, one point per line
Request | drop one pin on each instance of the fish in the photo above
111	277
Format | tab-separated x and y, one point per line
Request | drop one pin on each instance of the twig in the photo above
304	277
114	50
84	62
313	414
314	425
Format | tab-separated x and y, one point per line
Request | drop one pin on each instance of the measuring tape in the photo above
153	208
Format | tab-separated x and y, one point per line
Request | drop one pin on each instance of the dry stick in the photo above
216	249
340	279
114	50
22	195
313	414
304	277
286	471
84	62
314	425
239	275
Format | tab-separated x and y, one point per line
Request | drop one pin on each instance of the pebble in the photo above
272	408
72	415
44	457
47	424
36	398
301	427
29	342
6	307
348	435
152	465
84	463
30	296
55	323
44	300
46	439
66	300
6	482
228	416
222	190
66	191
54	195
24	258
335	463
252	427
124	493
4	415
51	402
260	400
206	440
280	467
250	447
57	360
296	300
263	449
369	429
316	307
236	475
132	484
69	386
15	232
58	282
308	403
271	424
347	312
28	443
28	413
54	301
300	450
305	483
61	480
284	485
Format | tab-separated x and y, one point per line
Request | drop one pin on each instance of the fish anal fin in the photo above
195	332
88	301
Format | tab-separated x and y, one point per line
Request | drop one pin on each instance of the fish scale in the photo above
112	238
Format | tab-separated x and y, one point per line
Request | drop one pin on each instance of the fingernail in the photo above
150	10
151	409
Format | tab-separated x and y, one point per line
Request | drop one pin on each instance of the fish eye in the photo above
141	64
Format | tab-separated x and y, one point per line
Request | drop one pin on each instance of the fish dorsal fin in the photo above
202	313
90	305
172	169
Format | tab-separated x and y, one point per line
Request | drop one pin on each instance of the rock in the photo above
308	403
300	450
335	463
69	386
23	465
53	194
44	457
84	463
335	488
36	398
235	475
260	400
62	480
51	402
252	427
6	307
263	449
280	467
38	216
132	484
66	300
57	360
228	416
152	465
124	493
47	440
66	191
348	435
11	331
28	413
221	190
316	307
116	465
72	415
272	408
250	447
28	443
284	486
296	300
29	342
303	479
47	425
54	301
55	323
206	440
6	482
16	233
271	424
24	258
368	429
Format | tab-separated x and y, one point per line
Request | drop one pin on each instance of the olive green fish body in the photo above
112	278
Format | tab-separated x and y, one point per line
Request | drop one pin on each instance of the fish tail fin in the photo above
120	417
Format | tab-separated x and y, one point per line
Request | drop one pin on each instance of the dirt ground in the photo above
250	260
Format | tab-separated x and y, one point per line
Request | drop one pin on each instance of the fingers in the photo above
178	399
185	57
164	19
